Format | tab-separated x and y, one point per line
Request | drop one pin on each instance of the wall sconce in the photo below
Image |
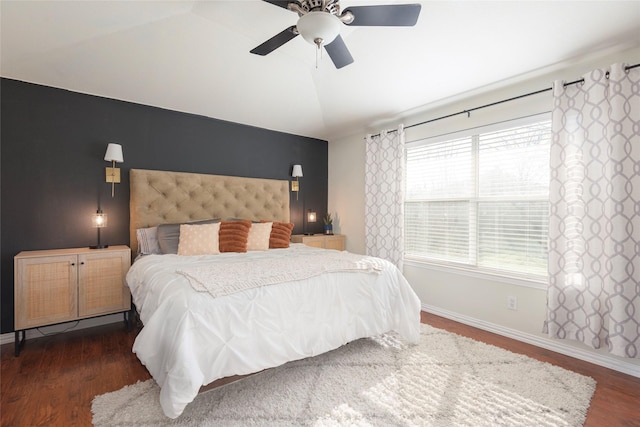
311	218
113	155
296	173
99	220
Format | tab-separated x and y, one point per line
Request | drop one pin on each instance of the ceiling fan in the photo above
319	23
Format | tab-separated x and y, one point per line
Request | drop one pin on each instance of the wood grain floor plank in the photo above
55	379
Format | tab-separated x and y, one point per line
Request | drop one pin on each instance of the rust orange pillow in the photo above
233	236
280	235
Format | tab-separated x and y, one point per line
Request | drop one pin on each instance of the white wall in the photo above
473	300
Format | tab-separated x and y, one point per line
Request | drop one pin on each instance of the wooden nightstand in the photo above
326	241
62	285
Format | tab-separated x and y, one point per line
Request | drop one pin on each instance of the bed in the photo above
254	317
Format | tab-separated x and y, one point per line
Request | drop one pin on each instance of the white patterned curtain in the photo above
594	224
384	195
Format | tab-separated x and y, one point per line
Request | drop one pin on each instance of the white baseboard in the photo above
549	344
63	327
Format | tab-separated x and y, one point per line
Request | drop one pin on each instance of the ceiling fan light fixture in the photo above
318	27
320	22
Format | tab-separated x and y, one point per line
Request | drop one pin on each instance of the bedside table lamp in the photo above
311	218
113	155
99	220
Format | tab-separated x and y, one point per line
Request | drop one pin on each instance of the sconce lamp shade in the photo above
297	171
114	153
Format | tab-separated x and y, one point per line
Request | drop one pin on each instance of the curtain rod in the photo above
468	112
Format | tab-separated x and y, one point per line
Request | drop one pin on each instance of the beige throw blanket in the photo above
228	278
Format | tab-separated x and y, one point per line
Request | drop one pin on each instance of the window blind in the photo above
481	199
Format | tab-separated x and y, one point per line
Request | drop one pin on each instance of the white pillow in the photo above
259	234
199	239
148	241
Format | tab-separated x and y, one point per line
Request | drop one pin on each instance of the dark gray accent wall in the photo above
53	143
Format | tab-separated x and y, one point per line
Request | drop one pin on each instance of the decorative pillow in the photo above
234	235
169	235
259	235
199	239
280	235
148	241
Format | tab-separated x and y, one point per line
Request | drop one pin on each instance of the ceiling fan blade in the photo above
276	41
282	3
339	53
393	15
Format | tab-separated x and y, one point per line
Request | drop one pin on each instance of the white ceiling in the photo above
193	56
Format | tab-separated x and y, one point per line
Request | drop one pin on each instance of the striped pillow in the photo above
234	235
280	235
148	241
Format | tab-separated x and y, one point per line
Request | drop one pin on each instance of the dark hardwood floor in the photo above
54	380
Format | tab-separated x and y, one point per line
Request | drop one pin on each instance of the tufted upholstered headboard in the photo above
159	197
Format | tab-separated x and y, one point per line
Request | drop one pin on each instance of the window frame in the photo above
472	268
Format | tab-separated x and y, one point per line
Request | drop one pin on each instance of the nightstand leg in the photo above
130	318
19	342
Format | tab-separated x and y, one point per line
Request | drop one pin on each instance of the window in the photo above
480	199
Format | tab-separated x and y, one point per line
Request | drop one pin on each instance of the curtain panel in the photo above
594	223
384	195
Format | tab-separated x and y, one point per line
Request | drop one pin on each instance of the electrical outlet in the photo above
512	302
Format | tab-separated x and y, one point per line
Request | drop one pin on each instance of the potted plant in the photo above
328	224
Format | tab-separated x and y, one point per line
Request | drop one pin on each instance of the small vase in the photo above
328	229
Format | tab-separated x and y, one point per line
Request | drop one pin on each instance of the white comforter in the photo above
191	339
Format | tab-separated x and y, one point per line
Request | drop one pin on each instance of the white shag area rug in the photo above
445	380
